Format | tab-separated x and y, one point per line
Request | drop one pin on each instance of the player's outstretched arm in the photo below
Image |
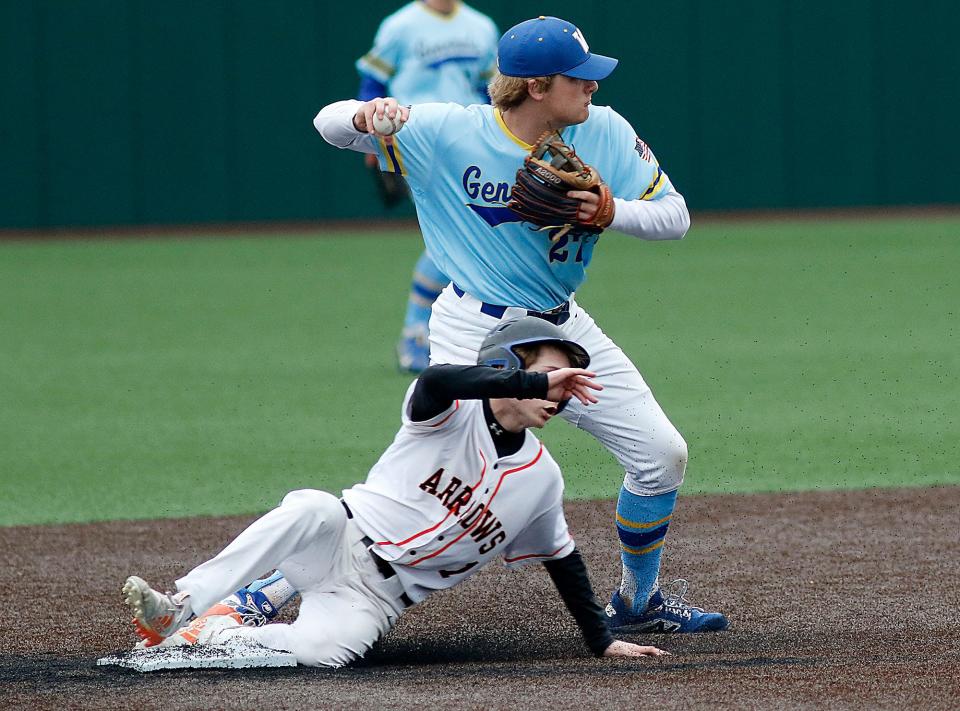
567	383
619	648
349	124
439	385
335	124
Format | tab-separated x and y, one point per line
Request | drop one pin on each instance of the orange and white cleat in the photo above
156	615
237	610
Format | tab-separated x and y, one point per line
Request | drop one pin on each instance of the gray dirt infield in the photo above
836	600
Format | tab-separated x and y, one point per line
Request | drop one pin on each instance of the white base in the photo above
234	656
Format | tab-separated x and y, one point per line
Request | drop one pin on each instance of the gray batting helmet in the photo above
497	349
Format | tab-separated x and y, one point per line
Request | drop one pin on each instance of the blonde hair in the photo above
509	92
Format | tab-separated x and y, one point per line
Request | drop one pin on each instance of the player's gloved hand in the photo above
566	383
619	648
556	189
389	107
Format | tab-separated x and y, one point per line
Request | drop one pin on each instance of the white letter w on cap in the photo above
578	36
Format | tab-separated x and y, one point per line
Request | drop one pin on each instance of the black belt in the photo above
557	315
386	570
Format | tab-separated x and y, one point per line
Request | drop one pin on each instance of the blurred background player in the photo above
428	51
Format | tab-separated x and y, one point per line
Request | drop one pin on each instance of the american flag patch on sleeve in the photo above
644	150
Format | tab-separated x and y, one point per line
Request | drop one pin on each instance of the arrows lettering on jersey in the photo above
478	519
449	497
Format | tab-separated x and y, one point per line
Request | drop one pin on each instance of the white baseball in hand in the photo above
386	126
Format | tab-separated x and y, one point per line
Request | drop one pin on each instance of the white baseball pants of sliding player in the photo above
627	420
346	604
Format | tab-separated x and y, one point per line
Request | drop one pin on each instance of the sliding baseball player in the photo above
463	482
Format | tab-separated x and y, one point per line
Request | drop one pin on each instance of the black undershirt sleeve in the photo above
569	574
439	385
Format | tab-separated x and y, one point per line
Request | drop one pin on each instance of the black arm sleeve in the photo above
569	574
439	385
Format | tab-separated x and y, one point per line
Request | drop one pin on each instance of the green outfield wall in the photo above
135	112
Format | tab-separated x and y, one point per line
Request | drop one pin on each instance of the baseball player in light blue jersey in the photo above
460	164
429	50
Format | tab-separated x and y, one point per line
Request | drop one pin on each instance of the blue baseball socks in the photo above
642	523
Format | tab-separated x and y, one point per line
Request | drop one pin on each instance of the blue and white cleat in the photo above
667	613
255	607
413	350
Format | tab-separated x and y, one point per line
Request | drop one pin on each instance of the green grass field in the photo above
172	377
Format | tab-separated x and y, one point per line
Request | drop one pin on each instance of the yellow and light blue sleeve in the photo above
382	60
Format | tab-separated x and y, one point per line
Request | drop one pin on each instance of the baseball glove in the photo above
540	195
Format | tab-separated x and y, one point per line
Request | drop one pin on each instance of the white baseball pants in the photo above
628	421
346	604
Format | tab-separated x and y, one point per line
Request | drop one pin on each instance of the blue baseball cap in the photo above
548	45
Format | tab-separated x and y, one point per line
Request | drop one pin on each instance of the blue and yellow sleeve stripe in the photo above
393	158
659	182
375	66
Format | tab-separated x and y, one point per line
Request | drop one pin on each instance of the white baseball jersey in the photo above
439	504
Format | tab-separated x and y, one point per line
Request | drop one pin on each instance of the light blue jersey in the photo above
422	55
460	163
